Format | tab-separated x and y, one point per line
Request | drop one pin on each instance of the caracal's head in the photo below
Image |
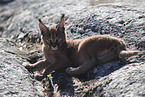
54	36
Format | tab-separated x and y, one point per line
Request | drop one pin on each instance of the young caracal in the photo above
79	55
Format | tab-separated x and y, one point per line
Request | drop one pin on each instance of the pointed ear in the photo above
42	27
60	26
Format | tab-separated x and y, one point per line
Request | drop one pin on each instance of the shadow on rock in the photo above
67	83
2	2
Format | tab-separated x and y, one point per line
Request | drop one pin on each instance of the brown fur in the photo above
82	54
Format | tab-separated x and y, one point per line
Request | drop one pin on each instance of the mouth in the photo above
54	48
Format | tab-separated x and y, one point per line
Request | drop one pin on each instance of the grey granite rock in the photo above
21	42
14	78
127	81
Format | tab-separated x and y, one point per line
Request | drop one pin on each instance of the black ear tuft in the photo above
61	24
62	17
39	20
42	27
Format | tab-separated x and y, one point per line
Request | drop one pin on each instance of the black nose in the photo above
54	45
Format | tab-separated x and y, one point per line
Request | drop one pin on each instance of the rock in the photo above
19	23
15	79
73	30
81	31
141	44
127	81
1	28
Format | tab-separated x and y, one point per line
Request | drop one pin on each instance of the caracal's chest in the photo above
53	56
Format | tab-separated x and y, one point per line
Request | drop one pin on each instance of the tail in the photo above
124	54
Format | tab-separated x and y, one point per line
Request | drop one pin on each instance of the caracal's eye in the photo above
48	40
59	39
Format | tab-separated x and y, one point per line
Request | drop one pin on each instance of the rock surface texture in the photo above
14	78
20	41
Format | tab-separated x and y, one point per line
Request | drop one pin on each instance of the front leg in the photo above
40	65
53	67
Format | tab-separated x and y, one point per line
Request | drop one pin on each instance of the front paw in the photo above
28	66
39	77
69	70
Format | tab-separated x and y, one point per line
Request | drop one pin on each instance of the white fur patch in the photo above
54	48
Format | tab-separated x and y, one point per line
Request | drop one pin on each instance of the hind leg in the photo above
109	55
82	68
